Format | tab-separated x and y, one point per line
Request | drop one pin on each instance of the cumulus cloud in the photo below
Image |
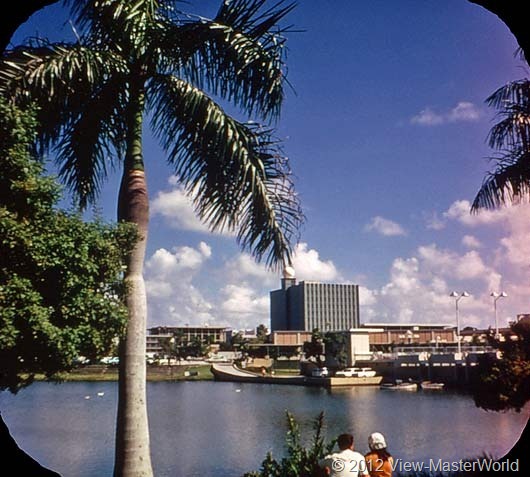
471	242
460	211
418	289
385	227
244	305
177	210
173	298
463	111
309	266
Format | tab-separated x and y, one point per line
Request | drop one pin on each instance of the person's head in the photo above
345	441
377	443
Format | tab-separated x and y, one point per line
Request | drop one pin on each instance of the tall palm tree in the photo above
139	59
509	182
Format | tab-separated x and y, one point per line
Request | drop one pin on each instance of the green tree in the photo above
336	347
315	347
509	182
262	333
145	58
503	383
504	378
61	293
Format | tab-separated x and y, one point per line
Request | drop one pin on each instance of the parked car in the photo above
320	372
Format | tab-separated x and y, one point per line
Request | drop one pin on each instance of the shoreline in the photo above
97	373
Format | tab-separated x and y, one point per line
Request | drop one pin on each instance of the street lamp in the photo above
496	296
458	296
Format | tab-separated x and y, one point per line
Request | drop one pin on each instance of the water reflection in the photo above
225	429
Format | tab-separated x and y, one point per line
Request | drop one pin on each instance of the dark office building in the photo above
307	305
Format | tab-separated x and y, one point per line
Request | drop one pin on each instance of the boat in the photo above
356	373
430	385
399	386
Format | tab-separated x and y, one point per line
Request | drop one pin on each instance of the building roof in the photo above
406	325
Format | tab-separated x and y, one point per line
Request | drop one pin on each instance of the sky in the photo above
386	131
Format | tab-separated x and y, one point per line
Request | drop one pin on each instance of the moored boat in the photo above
399	386
431	385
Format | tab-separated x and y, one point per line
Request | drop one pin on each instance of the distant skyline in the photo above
386	131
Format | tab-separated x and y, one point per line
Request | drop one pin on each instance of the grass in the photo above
154	373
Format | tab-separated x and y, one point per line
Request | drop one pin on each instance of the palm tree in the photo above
144	58
510	181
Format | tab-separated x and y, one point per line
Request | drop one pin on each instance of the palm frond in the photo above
92	142
513	104
78	92
515	92
104	18
239	55
508	183
236	173
59	79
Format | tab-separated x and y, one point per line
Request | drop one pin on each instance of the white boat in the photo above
356	373
431	385
400	386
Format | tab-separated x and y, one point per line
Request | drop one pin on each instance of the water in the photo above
225	429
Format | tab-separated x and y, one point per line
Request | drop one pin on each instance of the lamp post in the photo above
496	296
458	297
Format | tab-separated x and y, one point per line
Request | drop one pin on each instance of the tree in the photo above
61	295
504	381
261	333
146	57
510	181
315	347
336	347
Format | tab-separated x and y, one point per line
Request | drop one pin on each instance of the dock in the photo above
229	372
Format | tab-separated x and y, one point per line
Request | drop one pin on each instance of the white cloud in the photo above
385	227
177	209
463	111
419	286
427	117
309	266
244	305
471	242
435	223
460	211
172	297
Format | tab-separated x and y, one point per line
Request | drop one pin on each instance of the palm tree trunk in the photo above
133	457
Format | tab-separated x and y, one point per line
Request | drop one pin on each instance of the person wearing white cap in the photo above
379	461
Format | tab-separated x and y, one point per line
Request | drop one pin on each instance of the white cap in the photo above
377	441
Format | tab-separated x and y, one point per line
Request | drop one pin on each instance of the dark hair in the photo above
345	441
382	454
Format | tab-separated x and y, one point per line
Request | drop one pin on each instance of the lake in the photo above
225	429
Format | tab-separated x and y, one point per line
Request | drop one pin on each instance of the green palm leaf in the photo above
238	55
59	79
509	182
235	172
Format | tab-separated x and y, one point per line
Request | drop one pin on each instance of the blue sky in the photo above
386	132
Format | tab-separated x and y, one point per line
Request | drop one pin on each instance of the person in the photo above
378	460
347	462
